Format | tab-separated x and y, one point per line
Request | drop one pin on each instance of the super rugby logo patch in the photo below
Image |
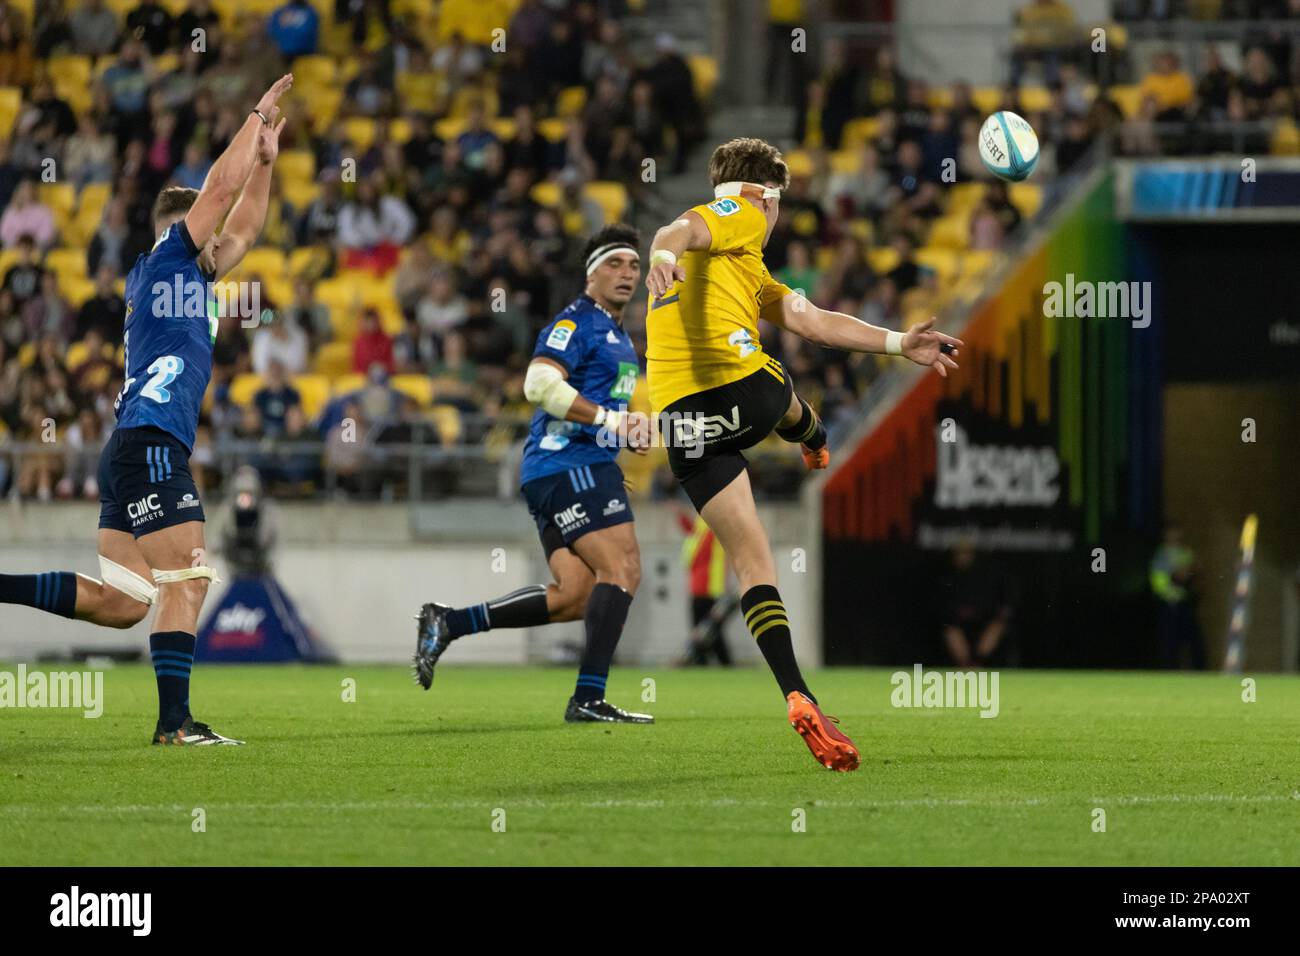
560	335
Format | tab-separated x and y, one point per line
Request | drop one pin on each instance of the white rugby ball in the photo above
1008	146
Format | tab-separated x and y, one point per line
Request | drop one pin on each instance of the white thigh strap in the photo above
185	574
127	581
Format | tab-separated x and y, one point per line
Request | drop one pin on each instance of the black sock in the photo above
173	657
53	591
809	430
523	608
606	614
766	619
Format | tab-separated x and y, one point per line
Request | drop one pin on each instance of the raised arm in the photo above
244	224
226	178
688	232
838	330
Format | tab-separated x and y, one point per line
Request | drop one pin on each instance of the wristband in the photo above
662	255
261	116
610	418
893	343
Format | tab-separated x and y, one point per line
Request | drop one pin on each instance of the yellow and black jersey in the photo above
704	332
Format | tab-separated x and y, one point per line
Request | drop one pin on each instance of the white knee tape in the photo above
185	574
127	581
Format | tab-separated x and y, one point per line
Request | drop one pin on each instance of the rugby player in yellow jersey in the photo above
715	392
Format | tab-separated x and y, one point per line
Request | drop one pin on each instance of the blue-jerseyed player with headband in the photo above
581	379
151	519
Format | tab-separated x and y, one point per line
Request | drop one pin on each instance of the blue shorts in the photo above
145	483
569	504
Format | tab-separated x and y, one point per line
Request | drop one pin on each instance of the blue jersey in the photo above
171	324
602	366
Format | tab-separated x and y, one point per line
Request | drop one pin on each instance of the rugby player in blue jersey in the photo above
151	519
581	379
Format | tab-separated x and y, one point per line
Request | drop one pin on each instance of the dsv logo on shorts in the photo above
574	516
701	428
146	509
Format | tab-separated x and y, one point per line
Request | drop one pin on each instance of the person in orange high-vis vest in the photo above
706	566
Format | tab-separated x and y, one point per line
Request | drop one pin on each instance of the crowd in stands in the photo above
438	177
435	184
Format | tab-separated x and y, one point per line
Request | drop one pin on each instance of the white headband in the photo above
602	253
735	189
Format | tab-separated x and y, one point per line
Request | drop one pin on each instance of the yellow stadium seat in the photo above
882	259
27	354
986	98
333	359
963	197
940	98
859	131
61	198
612	197
67	262
76	291
800	162
1128	98
27	8
265	261
846	161
314	390
1027	197
11	102
352	382
1035	99
322	105
8	259
1286	139
446	418
361	130
297	164
418	387
399	130
704	74
94	196
449	128
301	193
308	260
421	92
943	262
243	388
504	127
950	232
74	69
77	353
975	263
571	101
552	129
546	193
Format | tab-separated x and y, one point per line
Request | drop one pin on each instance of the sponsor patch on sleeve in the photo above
560	335
725	206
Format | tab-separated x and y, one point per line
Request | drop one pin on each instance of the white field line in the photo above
530	803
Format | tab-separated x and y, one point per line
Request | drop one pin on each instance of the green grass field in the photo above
1186	772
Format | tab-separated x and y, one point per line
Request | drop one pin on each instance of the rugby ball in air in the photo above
1008	146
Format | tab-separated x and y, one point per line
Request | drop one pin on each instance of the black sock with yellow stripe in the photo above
808	431
766	619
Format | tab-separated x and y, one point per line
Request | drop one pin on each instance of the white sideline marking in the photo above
926	802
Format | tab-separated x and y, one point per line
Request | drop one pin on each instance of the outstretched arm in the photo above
546	386
688	232
228	174
244	224
837	330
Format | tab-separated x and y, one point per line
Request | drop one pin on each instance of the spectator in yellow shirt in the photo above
1171	87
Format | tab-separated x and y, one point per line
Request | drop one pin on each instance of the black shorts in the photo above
145	483
569	504
706	432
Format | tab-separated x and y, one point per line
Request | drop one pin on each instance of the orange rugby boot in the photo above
833	750
815	460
